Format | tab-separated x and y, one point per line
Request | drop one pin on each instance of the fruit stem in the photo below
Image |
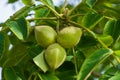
91	32
57	27
75	62
54	11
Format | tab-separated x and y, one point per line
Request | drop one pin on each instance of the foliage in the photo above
22	58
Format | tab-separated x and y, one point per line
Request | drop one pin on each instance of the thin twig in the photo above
43	18
64	6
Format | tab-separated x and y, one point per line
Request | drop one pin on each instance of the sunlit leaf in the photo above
49	2
116	45
116	77
42	12
92	61
40	62
19	28
27	2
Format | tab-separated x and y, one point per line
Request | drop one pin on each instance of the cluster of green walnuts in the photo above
56	43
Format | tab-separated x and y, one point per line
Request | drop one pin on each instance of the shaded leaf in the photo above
40	62
112	28
2	41
47	76
111	72
35	50
12	1
4	47
66	75
91	19
10	74
92	61
116	30
66	71
16	55
91	3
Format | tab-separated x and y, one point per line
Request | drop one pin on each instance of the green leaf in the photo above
116	77
50	3
109	73
109	26
91	19
35	50
112	28
28	2
116	30
69	58
42	12
40	62
66	74
4	46
91	3
10	74
47	76
92	61
116	45
2	43
16	55
12	1
19	28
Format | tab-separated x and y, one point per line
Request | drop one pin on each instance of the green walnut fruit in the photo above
55	55
117	52
107	39
69	37
45	35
